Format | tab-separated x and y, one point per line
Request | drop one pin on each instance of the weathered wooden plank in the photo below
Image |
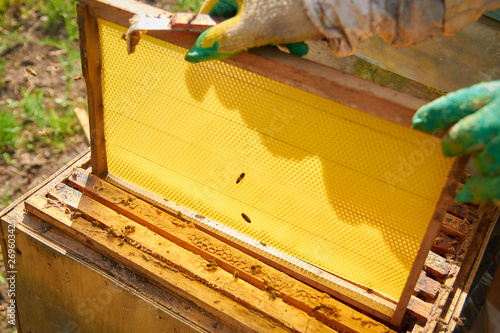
417	328
427	287
460	210
456	266
455	226
419	309
437	265
231	260
58	291
319	52
90	50
459	187
445	245
435	62
85	256
442	298
296	270
199	269
192	22
465	177
169	273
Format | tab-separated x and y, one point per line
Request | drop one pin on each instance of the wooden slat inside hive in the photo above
448	266
85	202
108	218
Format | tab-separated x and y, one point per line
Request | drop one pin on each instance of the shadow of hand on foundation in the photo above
287	129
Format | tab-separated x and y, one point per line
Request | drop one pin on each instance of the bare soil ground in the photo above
28	167
33	165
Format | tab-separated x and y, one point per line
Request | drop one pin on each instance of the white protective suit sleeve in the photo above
345	23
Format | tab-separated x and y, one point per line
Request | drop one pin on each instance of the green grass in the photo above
36	118
12	12
69	59
4	5
53	126
9	129
58	18
32	105
3	63
12	39
49	126
184	5
5	199
60	14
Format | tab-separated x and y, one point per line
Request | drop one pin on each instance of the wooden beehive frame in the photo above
303	74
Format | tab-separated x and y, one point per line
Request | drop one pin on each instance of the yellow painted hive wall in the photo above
328	184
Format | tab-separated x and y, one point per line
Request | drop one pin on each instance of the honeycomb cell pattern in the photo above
336	187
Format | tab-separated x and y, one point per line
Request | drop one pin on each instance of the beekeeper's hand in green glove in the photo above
252	23
343	23
473	118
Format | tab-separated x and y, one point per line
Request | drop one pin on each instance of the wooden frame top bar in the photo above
294	71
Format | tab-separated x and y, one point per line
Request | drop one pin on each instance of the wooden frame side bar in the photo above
445	200
90	49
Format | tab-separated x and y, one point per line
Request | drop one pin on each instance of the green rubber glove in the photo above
474	116
253	23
